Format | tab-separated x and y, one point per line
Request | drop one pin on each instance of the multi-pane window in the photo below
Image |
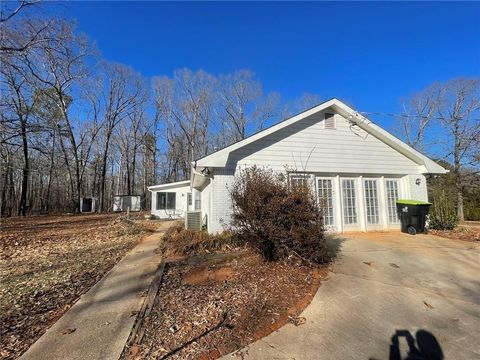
325	195
349	202
166	200
392	197
371	202
189	199
301	180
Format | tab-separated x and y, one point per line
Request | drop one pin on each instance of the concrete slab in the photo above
104	316
410	284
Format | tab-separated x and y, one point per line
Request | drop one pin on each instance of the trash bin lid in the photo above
412	202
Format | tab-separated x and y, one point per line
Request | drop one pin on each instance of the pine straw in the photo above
47	262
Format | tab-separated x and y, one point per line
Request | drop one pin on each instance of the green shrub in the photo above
442	214
275	219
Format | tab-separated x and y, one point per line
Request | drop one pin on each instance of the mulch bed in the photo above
210	309
48	262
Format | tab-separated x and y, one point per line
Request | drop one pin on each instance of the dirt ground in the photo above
47	262
212	309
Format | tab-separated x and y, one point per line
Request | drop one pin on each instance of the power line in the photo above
366	113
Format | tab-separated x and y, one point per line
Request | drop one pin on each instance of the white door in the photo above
325	194
392	193
372	208
349	203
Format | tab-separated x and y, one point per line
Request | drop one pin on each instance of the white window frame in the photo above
357	200
333	215
399	194
309	177
378	202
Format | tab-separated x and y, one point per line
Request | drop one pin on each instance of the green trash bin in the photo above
413	215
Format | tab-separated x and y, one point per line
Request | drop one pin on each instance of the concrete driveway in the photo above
389	286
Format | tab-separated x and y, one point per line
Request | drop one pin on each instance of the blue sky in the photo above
368	54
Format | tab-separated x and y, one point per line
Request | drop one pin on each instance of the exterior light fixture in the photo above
418	181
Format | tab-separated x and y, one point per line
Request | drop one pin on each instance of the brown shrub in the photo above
277	220
179	241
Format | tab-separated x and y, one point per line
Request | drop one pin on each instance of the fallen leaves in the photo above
68	331
297	320
369	263
428	305
46	263
394	265
220	313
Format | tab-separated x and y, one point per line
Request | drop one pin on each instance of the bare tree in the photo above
242	107
59	64
185	104
451	111
118	96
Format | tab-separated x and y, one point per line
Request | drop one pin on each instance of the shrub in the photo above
442	215
178	241
277	220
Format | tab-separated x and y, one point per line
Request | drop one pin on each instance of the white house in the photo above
170	201
359	169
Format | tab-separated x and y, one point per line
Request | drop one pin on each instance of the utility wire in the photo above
407	116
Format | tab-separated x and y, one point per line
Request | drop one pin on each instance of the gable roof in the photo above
220	157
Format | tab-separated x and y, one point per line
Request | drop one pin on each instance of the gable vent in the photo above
329	122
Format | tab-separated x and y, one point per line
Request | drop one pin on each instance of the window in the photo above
325	195
371	202
329	122
349	202
189	199
166	200
300	180
198	203
392	197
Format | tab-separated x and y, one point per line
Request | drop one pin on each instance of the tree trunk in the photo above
22	210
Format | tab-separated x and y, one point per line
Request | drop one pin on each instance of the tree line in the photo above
75	125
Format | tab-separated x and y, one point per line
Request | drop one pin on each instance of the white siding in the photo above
181	201
221	204
308	146
417	191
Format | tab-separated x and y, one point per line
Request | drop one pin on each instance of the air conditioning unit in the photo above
193	220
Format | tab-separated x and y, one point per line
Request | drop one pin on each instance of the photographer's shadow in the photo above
423	347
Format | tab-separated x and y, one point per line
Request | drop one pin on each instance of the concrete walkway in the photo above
388	284
104	316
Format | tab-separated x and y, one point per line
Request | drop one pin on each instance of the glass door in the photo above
325	200
349	202
372	211
392	192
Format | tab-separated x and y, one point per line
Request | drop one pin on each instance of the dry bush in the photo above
179	241
279	221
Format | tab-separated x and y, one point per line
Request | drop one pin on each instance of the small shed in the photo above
127	203
87	204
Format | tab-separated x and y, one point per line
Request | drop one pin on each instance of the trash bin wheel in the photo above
411	230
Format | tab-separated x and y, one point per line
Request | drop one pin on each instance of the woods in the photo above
75	125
